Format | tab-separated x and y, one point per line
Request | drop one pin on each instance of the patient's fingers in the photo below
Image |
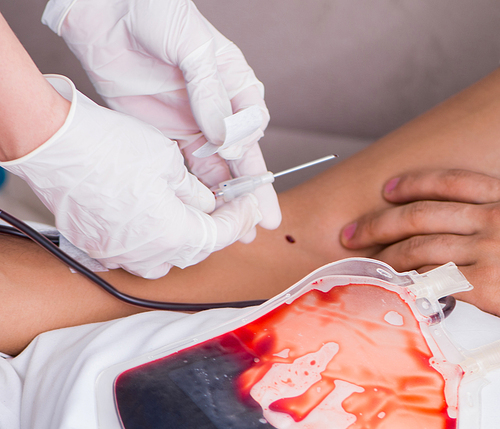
418	218
424	251
443	185
461	224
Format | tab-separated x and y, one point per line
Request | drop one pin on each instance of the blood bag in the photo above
354	345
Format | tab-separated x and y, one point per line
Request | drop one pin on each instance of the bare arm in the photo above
461	133
31	111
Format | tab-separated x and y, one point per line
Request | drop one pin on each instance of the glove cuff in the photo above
55	12
65	88
112	181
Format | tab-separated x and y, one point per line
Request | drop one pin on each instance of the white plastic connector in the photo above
442	281
234	188
482	360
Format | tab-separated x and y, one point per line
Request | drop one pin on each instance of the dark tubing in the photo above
38	238
449	304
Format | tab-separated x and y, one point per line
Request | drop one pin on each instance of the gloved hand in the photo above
163	62
120	191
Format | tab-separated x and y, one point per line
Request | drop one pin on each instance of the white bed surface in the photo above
51	385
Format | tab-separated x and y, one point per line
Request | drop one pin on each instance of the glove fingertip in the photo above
232	152
249	236
144	270
271	220
236	219
194	193
206	200
269	207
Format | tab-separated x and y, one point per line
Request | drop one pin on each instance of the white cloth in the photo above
51	385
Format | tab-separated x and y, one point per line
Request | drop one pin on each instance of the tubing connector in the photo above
439	282
429	287
480	361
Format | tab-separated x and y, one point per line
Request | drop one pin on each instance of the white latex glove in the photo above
163	62
120	191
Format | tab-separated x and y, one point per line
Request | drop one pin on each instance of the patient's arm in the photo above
38	294
442	216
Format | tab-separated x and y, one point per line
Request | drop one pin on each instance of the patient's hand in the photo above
439	216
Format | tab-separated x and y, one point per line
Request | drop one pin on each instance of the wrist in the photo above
30	109
42	118
42	121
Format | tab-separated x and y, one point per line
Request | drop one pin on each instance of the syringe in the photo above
231	189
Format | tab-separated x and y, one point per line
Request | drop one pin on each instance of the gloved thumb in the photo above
211	170
235	219
194	193
209	100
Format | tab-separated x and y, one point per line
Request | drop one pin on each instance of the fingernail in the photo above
349	231
391	184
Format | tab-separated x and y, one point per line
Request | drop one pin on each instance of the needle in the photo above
234	188
307	164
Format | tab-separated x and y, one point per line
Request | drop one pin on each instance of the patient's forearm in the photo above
464	132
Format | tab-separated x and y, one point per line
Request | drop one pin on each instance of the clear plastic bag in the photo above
353	345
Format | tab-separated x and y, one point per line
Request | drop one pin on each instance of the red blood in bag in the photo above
382	363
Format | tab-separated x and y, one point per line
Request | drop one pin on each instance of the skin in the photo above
38	293
441	216
30	109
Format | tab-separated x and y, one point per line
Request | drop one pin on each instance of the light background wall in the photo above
352	67
331	68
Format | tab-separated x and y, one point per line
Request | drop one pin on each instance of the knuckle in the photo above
481	187
454	174
419	250
416	212
369	226
451	180
487	187
490	213
410	248
461	185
